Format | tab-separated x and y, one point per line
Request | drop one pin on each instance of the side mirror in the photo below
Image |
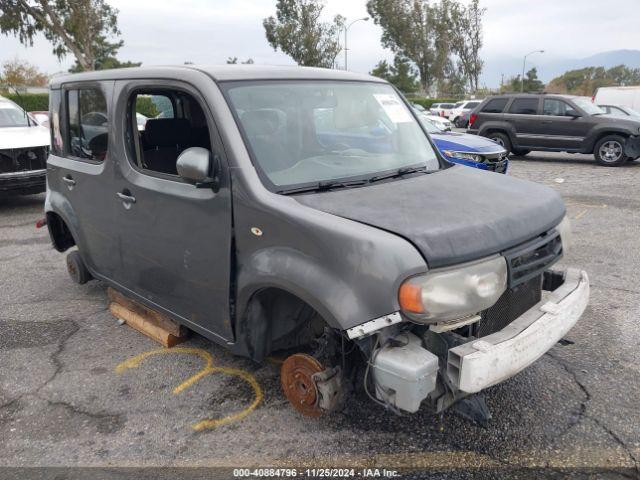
571	113
195	165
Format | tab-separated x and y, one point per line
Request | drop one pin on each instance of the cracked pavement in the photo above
62	404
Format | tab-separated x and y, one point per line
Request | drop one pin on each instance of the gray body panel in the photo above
449	215
191	253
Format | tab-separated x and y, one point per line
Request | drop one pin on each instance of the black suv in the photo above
556	123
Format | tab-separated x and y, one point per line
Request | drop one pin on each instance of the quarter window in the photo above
88	123
495	105
524	106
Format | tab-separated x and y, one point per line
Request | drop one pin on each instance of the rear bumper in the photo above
479	364
23	183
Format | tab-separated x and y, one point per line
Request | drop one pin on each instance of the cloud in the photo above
208	31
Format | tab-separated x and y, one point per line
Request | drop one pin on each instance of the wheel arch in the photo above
599	135
61	236
275	318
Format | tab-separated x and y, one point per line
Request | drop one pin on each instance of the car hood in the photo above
464	142
451	216
22	137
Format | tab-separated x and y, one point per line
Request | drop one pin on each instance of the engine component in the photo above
404	372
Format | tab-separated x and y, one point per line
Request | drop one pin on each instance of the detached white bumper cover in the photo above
482	363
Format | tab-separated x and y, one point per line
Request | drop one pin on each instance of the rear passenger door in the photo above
80	170
522	115
175	239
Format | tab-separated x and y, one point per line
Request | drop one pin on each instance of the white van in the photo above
624	96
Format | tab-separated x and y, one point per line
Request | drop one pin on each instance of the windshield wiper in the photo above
399	173
323	186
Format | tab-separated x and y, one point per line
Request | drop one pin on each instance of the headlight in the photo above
463	156
564	229
454	292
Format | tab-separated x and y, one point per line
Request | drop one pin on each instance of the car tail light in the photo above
472	119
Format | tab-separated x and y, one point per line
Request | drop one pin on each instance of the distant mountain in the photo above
549	68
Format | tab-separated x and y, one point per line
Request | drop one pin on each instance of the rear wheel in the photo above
520	153
501	139
77	269
609	151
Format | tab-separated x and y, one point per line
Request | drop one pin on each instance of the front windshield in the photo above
429	125
588	106
304	132
633	113
12	116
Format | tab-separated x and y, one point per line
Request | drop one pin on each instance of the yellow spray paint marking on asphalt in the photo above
586	207
206	370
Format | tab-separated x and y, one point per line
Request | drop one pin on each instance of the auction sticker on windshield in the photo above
394	109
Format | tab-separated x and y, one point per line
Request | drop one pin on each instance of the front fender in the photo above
599	132
301	275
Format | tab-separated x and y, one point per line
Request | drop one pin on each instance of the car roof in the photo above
219	73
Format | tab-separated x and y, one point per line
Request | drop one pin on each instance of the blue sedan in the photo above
470	150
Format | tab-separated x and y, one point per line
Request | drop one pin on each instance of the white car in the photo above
441	109
460	108
440	122
24	147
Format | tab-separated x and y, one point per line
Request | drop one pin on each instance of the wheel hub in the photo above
296	378
611	151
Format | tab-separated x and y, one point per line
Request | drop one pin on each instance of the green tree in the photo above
466	40
417	30
79	27
297	31
531	83
105	57
587	80
402	74
18	72
382	70
234	60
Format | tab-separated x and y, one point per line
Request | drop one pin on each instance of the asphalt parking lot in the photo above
67	399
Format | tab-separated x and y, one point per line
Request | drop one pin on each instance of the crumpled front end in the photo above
436	365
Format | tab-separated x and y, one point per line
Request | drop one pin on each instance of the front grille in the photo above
533	258
513	303
498	167
23	159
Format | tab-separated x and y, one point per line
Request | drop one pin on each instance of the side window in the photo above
524	106
88	123
164	123
471	105
555	107
495	105
57	144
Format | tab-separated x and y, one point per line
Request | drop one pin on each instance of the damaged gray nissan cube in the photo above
306	212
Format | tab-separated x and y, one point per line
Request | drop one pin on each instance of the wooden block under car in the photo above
146	320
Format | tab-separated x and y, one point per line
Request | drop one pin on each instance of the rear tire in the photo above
521	153
77	269
609	151
501	139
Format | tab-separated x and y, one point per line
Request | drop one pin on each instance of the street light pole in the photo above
346	29
524	62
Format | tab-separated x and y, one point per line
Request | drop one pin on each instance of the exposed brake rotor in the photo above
296	378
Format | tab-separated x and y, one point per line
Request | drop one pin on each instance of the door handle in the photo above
69	180
126	198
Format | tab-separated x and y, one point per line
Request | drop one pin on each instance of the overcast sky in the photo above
208	31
